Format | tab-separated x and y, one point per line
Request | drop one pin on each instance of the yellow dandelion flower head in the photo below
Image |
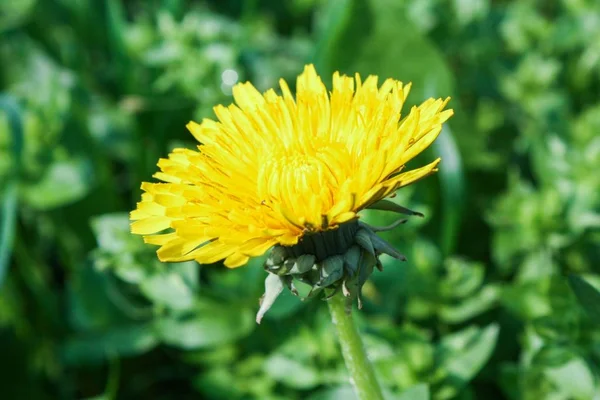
273	168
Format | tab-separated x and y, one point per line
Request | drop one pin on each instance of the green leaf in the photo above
14	13
588	296
174	7
549	355
452	184
116	25
93	301
529	300
219	383
292	373
573	379
111	231
332	19
461	356
417	392
471	306
8	220
15	122
170	289
345	392
213	326
462	278
377	37
286	305
558	327
121	341
9	196
64	182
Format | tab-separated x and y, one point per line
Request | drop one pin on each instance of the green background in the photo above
94	92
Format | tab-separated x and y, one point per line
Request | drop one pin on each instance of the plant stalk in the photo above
362	375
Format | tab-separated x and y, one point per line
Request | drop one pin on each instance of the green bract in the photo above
329	261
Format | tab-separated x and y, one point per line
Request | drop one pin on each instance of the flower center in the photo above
301	173
300	184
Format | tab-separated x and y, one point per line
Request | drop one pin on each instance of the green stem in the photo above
362	375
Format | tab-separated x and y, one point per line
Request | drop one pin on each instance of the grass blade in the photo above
9	199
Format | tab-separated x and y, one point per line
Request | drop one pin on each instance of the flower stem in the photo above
362	375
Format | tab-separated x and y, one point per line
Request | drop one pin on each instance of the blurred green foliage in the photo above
93	93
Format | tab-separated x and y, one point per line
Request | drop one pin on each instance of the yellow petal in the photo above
179	247
160	239
236	260
406	178
150	225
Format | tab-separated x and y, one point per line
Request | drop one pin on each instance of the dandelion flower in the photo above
281	170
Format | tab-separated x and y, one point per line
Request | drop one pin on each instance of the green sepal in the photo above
349	286
331	293
288	280
388	227
310	278
332	269
364	272
378	264
381	246
303	264
386	205
276	257
363	239
349	272
286	267
352	260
